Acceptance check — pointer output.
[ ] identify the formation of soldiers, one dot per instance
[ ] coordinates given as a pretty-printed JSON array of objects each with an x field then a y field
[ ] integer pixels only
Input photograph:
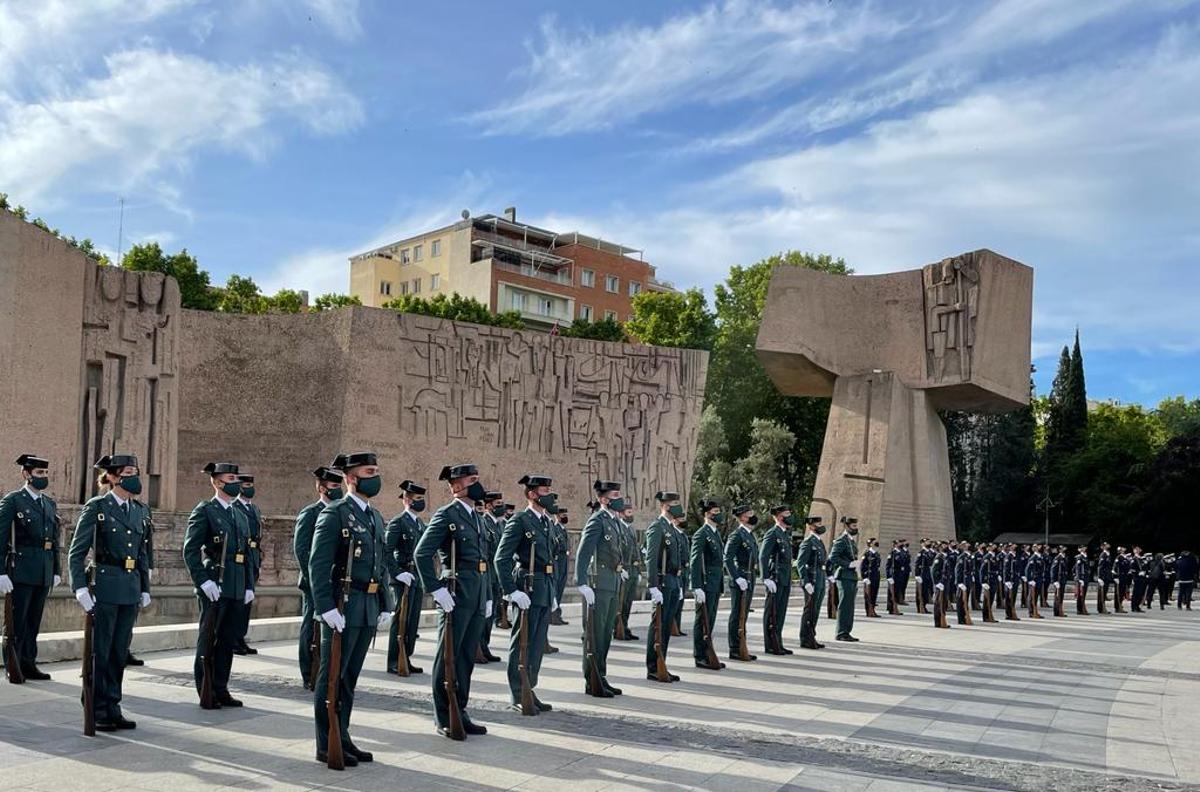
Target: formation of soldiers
[{"x": 490, "y": 564}]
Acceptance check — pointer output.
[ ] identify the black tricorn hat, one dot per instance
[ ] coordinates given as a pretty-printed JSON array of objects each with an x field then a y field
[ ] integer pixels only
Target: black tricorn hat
[
  {"x": 741, "y": 509},
  {"x": 114, "y": 462},
  {"x": 451, "y": 472},
  {"x": 531, "y": 481},
  {"x": 849, "y": 520},
  {"x": 490, "y": 496},
  {"x": 664, "y": 496},
  {"x": 411, "y": 487},
  {"x": 705, "y": 505},
  {"x": 606, "y": 486},
  {"x": 218, "y": 468},
  {"x": 325, "y": 473},
  {"x": 355, "y": 459},
  {"x": 813, "y": 519},
  {"x": 246, "y": 478},
  {"x": 780, "y": 507},
  {"x": 31, "y": 461},
  {"x": 510, "y": 507}
]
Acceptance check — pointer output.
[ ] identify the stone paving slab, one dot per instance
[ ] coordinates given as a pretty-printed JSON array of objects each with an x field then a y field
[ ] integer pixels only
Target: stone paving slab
[{"x": 1007, "y": 706}]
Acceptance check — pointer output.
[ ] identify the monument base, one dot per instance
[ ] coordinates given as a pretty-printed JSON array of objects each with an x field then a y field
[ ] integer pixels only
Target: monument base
[{"x": 885, "y": 461}]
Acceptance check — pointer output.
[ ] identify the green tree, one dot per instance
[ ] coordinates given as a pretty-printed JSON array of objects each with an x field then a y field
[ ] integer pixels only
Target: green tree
[
  {"x": 241, "y": 295},
  {"x": 1168, "y": 517},
  {"x": 673, "y": 319},
  {"x": 286, "y": 301},
  {"x": 328, "y": 302},
  {"x": 757, "y": 478},
  {"x": 604, "y": 330},
  {"x": 1179, "y": 417},
  {"x": 457, "y": 308},
  {"x": 195, "y": 290}
]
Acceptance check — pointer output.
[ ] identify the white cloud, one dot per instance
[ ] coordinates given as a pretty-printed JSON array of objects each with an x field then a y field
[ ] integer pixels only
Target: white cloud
[
  {"x": 734, "y": 50},
  {"x": 152, "y": 110}
]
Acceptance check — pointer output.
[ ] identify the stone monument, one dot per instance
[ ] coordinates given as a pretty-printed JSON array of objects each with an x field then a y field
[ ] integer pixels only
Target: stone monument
[{"x": 891, "y": 350}]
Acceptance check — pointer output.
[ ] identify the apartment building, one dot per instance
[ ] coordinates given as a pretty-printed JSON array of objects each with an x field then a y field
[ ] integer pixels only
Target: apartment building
[{"x": 549, "y": 277}]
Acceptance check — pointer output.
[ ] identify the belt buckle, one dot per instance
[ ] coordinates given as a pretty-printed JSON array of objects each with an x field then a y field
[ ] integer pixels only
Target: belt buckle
[
  {"x": 253, "y": 544},
  {"x": 130, "y": 563},
  {"x": 372, "y": 587},
  {"x": 239, "y": 558},
  {"x": 483, "y": 566},
  {"x": 549, "y": 569},
  {"x": 47, "y": 545}
]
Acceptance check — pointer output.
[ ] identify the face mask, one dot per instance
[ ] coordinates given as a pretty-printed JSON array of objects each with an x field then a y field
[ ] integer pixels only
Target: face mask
[
  {"x": 417, "y": 506},
  {"x": 39, "y": 482},
  {"x": 476, "y": 491},
  {"x": 718, "y": 519},
  {"x": 248, "y": 492},
  {"x": 617, "y": 505},
  {"x": 546, "y": 501},
  {"x": 498, "y": 511},
  {"x": 628, "y": 521},
  {"x": 789, "y": 521},
  {"x": 675, "y": 511},
  {"x": 131, "y": 484},
  {"x": 853, "y": 531},
  {"x": 232, "y": 488},
  {"x": 369, "y": 487},
  {"x": 820, "y": 529},
  {"x": 562, "y": 520},
  {"x": 335, "y": 493},
  {"x": 753, "y": 520}
]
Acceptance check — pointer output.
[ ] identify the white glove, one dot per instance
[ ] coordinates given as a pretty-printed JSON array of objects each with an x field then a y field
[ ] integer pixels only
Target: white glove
[
  {"x": 699, "y": 595},
  {"x": 520, "y": 599},
  {"x": 85, "y": 599},
  {"x": 808, "y": 588},
  {"x": 962, "y": 586},
  {"x": 1078, "y": 582},
  {"x": 854, "y": 565},
  {"x": 1057, "y": 584},
  {"x": 986, "y": 587},
  {"x": 385, "y": 620},
  {"x": 6, "y": 584},
  {"x": 554, "y": 603},
  {"x": 891, "y": 581},
  {"x": 770, "y": 584},
  {"x": 406, "y": 578},
  {"x": 57, "y": 579},
  {"x": 444, "y": 599},
  {"x": 487, "y": 609},
  {"x": 211, "y": 590},
  {"x": 656, "y": 596},
  {"x": 940, "y": 587},
  {"x": 1024, "y": 579},
  {"x": 1007, "y": 585},
  {"x": 334, "y": 619},
  {"x": 624, "y": 575},
  {"x": 249, "y": 596},
  {"x": 150, "y": 574},
  {"x": 145, "y": 599},
  {"x": 588, "y": 595},
  {"x": 742, "y": 583}
]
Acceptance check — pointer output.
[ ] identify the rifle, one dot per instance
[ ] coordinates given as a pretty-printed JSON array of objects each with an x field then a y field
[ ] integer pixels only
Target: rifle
[
  {"x": 454, "y": 715},
  {"x": 619, "y": 625},
  {"x": 400, "y": 619},
  {"x": 336, "y": 759},
  {"x": 89, "y": 646},
  {"x": 527, "y": 705},
  {"x": 593, "y": 685},
  {"x": 660, "y": 661},
  {"x": 314, "y": 653},
  {"x": 710, "y": 655},
  {"x": 743, "y": 650},
  {"x": 12, "y": 663},
  {"x": 208, "y": 628}
]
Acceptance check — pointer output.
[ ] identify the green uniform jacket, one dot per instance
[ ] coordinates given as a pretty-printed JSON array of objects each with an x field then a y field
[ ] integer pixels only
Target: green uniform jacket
[
  {"x": 306, "y": 524},
  {"x": 602, "y": 540},
  {"x": 455, "y": 523},
  {"x": 562, "y": 546},
  {"x": 810, "y": 561},
  {"x": 401, "y": 537},
  {"x": 775, "y": 556},
  {"x": 121, "y": 563},
  {"x": 36, "y": 524},
  {"x": 843, "y": 552},
  {"x": 215, "y": 532},
  {"x": 664, "y": 550},
  {"x": 705, "y": 559},
  {"x": 685, "y": 554},
  {"x": 523, "y": 531},
  {"x": 490, "y": 529},
  {"x": 344, "y": 528},
  {"x": 254, "y": 521},
  {"x": 741, "y": 553}
]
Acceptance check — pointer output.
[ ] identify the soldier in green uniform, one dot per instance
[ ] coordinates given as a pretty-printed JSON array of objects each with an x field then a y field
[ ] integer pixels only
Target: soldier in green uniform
[
  {"x": 245, "y": 502},
  {"x": 810, "y": 564},
  {"x": 351, "y": 531},
  {"x": 216, "y": 546},
  {"x": 524, "y": 563},
  {"x": 32, "y": 566},
  {"x": 329, "y": 489},
  {"x": 705, "y": 561},
  {"x": 664, "y": 565},
  {"x": 112, "y": 526},
  {"x": 631, "y": 565},
  {"x": 130, "y": 660},
  {"x": 685, "y": 553},
  {"x": 843, "y": 557},
  {"x": 492, "y": 522},
  {"x": 741, "y": 553},
  {"x": 456, "y": 526},
  {"x": 401, "y": 537},
  {"x": 775, "y": 561},
  {"x": 562, "y": 560},
  {"x": 629, "y": 550},
  {"x": 597, "y": 570}
]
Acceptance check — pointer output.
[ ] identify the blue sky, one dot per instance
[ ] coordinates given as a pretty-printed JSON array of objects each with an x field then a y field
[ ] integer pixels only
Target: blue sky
[{"x": 275, "y": 137}]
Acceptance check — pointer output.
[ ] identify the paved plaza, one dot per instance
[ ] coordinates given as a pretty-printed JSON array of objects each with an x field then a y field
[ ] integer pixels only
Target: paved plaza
[{"x": 1082, "y": 703}]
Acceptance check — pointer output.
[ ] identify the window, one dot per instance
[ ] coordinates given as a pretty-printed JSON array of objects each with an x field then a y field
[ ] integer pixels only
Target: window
[
  {"x": 517, "y": 301},
  {"x": 435, "y": 248},
  {"x": 385, "y": 288},
  {"x": 585, "y": 313},
  {"x": 587, "y": 278},
  {"x": 404, "y": 256},
  {"x": 404, "y": 287},
  {"x": 416, "y": 285},
  {"x": 610, "y": 316},
  {"x": 435, "y": 281},
  {"x": 612, "y": 283},
  {"x": 417, "y": 253},
  {"x": 634, "y": 288},
  {"x": 545, "y": 306}
]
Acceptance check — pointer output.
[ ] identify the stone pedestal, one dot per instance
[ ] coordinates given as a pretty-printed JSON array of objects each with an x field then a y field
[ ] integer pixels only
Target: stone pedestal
[{"x": 885, "y": 461}]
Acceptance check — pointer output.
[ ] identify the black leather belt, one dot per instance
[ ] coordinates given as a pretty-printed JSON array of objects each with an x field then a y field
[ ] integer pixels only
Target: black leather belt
[{"x": 369, "y": 588}]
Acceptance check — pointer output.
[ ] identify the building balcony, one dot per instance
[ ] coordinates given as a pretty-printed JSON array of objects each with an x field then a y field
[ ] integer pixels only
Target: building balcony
[{"x": 561, "y": 276}]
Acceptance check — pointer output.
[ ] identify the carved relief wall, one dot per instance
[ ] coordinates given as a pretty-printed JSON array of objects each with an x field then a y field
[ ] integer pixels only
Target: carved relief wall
[{"x": 951, "y": 313}]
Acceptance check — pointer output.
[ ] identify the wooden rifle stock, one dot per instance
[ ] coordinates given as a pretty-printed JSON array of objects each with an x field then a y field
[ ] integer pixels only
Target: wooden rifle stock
[
  {"x": 743, "y": 611},
  {"x": 314, "y": 653},
  {"x": 619, "y": 625},
  {"x": 12, "y": 663},
  {"x": 400, "y": 619},
  {"x": 335, "y": 757},
  {"x": 660, "y": 661},
  {"x": 89, "y": 669},
  {"x": 710, "y": 654},
  {"x": 454, "y": 715},
  {"x": 528, "y": 707}
]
